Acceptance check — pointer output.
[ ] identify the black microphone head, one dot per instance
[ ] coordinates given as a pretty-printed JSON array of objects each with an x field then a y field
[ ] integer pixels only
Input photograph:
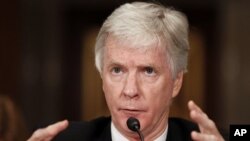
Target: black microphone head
[{"x": 133, "y": 124}]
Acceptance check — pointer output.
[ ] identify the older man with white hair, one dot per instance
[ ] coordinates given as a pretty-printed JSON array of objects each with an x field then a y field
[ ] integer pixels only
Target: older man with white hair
[{"x": 141, "y": 54}]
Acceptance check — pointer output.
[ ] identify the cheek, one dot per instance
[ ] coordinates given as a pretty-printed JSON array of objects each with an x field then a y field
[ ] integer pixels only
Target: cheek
[
  {"x": 110, "y": 99},
  {"x": 111, "y": 91},
  {"x": 159, "y": 101},
  {"x": 110, "y": 87},
  {"x": 159, "y": 94},
  {"x": 107, "y": 89}
]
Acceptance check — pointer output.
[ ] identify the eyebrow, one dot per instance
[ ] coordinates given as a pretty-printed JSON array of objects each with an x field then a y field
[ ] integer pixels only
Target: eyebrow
[
  {"x": 156, "y": 68},
  {"x": 114, "y": 63}
]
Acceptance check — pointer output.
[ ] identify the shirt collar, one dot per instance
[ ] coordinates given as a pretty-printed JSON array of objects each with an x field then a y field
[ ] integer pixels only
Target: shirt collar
[{"x": 117, "y": 136}]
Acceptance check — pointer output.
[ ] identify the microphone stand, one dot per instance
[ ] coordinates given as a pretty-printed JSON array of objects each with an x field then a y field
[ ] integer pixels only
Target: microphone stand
[
  {"x": 141, "y": 135},
  {"x": 134, "y": 125}
]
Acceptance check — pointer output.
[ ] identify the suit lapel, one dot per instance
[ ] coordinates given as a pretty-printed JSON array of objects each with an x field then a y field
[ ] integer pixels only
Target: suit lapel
[
  {"x": 106, "y": 134},
  {"x": 180, "y": 130}
]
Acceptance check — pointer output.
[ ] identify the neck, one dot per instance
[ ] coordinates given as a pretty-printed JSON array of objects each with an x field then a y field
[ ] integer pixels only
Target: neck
[
  {"x": 151, "y": 133},
  {"x": 157, "y": 129}
]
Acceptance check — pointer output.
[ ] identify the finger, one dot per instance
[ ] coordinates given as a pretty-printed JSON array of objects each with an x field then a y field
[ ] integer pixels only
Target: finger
[
  {"x": 199, "y": 116},
  {"x": 48, "y": 132},
  {"x": 193, "y": 106},
  {"x": 203, "y": 137},
  {"x": 54, "y": 129},
  {"x": 205, "y": 124},
  {"x": 202, "y": 120},
  {"x": 207, "y": 128}
]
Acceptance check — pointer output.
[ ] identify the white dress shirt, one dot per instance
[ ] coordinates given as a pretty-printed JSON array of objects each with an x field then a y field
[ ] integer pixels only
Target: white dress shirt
[{"x": 117, "y": 136}]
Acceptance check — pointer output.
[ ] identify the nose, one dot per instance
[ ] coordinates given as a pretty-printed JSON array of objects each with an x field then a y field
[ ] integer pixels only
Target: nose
[{"x": 130, "y": 87}]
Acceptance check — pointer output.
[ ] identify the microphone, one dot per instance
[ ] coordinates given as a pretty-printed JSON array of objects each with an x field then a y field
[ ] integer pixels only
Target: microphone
[{"x": 134, "y": 125}]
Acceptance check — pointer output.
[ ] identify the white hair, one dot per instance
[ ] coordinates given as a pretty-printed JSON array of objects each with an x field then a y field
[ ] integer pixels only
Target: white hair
[{"x": 144, "y": 24}]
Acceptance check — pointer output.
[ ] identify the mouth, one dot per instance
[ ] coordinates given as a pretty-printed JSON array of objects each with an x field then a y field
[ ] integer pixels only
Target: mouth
[{"x": 131, "y": 112}]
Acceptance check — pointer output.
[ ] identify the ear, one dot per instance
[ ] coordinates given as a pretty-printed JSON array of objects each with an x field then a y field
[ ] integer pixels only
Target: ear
[
  {"x": 101, "y": 73},
  {"x": 177, "y": 84}
]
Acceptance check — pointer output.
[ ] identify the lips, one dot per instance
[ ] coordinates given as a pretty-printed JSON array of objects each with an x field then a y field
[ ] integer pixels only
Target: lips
[{"x": 131, "y": 112}]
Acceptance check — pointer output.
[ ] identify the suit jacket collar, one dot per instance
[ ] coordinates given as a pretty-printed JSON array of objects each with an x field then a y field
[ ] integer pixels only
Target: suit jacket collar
[{"x": 178, "y": 130}]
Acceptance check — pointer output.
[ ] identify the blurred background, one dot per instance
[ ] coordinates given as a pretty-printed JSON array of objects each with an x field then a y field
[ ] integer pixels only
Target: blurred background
[{"x": 47, "y": 61}]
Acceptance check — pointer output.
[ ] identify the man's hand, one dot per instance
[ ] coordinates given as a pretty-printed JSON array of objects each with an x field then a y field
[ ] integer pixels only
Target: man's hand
[
  {"x": 208, "y": 129},
  {"x": 48, "y": 133}
]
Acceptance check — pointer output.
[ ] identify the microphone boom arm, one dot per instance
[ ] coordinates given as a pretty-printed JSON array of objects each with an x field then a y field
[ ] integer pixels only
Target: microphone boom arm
[{"x": 134, "y": 125}]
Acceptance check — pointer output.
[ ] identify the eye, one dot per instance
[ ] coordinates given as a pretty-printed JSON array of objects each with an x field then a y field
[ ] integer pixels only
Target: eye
[
  {"x": 116, "y": 70},
  {"x": 149, "y": 71}
]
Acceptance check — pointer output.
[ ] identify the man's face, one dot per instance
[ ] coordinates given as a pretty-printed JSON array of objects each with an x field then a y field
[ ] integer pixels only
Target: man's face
[{"x": 138, "y": 83}]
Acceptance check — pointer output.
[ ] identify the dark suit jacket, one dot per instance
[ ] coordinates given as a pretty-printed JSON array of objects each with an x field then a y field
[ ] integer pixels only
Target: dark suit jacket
[{"x": 100, "y": 130}]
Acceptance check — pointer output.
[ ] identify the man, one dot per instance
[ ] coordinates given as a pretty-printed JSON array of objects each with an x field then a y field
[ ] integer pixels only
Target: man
[{"x": 141, "y": 53}]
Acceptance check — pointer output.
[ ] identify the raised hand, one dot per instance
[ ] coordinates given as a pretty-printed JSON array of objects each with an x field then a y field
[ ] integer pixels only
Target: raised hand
[
  {"x": 48, "y": 133},
  {"x": 208, "y": 129}
]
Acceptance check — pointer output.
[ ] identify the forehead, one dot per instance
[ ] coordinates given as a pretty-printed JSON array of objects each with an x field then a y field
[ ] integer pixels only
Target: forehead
[{"x": 125, "y": 52}]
